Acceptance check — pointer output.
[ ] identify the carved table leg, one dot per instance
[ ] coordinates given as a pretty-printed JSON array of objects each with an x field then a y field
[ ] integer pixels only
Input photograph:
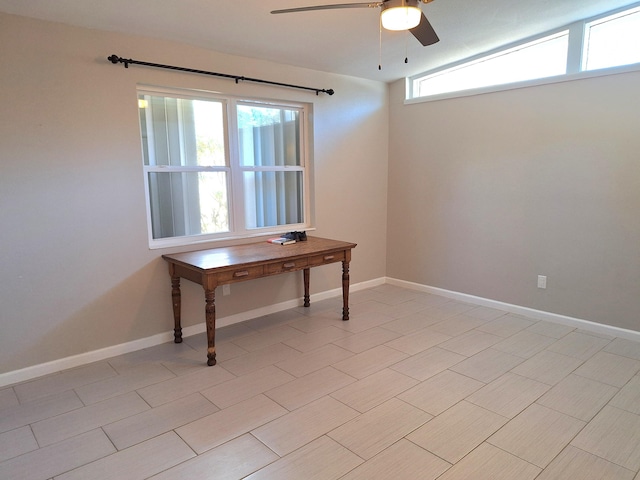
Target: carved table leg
[
  {"x": 210, "y": 315},
  {"x": 345, "y": 290},
  {"x": 306, "y": 273},
  {"x": 175, "y": 297}
]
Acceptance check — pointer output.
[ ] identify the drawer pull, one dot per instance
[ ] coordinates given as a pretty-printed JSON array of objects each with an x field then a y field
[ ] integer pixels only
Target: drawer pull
[
  {"x": 289, "y": 265},
  {"x": 243, "y": 273},
  {"x": 328, "y": 257}
]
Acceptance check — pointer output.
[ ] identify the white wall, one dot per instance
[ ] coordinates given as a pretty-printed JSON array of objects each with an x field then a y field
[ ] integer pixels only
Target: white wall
[
  {"x": 484, "y": 193},
  {"x": 77, "y": 273},
  {"x": 488, "y": 192}
]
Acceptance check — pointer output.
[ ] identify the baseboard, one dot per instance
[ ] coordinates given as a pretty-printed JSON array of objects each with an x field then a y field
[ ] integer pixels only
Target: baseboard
[
  {"x": 519, "y": 310},
  {"x": 279, "y": 307},
  {"x": 29, "y": 373},
  {"x": 54, "y": 366}
]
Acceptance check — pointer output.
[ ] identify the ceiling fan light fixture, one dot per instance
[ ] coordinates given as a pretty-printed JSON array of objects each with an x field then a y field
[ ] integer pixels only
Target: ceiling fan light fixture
[{"x": 400, "y": 15}]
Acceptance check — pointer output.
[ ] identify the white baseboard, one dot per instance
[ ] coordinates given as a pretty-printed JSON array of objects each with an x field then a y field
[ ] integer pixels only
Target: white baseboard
[
  {"x": 279, "y": 307},
  {"x": 54, "y": 366},
  {"x": 524, "y": 311}
]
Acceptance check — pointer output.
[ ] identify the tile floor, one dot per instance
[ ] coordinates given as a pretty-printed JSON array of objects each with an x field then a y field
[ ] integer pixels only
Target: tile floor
[{"x": 414, "y": 386}]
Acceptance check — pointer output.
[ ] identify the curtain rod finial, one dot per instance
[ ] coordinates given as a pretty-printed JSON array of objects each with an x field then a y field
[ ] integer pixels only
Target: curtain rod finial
[{"x": 116, "y": 59}]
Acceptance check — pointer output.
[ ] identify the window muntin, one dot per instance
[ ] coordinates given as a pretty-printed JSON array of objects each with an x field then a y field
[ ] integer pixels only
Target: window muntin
[
  {"x": 612, "y": 41},
  {"x": 541, "y": 58},
  {"x": 205, "y": 180},
  {"x": 603, "y": 42}
]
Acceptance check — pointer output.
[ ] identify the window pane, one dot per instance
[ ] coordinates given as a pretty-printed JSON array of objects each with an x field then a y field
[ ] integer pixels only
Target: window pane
[
  {"x": 188, "y": 203},
  {"x": 181, "y": 132},
  {"x": 613, "y": 41},
  {"x": 273, "y": 198},
  {"x": 542, "y": 58},
  {"x": 268, "y": 136}
]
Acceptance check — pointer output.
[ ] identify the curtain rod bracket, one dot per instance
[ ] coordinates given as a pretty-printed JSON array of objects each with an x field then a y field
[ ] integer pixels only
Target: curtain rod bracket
[{"x": 115, "y": 59}]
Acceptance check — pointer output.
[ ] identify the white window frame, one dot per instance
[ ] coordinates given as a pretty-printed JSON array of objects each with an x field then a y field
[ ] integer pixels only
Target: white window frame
[
  {"x": 235, "y": 188},
  {"x": 575, "y": 63}
]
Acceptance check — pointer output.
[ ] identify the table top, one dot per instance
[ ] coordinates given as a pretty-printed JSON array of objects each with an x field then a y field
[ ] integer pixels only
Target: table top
[{"x": 255, "y": 253}]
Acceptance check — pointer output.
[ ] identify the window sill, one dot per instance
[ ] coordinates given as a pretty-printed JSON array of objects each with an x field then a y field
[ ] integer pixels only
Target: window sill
[{"x": 196, "y": 241}]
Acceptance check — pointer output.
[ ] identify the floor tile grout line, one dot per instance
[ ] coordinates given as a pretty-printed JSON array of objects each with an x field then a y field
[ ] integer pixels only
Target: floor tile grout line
[
  {"x": 582, "y": 360},
  {"x": 512, "y": 454},
  {"x": 596, "y": 455}
]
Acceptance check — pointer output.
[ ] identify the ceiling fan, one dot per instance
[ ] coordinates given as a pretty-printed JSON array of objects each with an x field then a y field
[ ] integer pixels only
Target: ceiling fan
[{"x": 394, "y": 15}]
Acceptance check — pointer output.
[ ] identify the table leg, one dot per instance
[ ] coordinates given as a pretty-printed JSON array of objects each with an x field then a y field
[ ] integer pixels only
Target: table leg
[
  {"x": 175, "y": 297},
  {"x": 210, "y": 315},
  {"x": 345, "y": 290},
  {"x": 306, "y": 274}
]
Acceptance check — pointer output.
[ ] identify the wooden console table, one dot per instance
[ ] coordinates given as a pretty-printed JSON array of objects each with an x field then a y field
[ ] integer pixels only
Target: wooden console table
[{"x": 221, "y": 266}]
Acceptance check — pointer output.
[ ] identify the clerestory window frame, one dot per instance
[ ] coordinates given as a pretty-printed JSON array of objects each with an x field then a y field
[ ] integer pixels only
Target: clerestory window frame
[{"x": 576, "y": 63}]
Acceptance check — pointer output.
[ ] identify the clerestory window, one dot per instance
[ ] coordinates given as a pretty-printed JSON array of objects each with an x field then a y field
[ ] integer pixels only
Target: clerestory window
[
  {"x": 613, "y": 40},
  {"x": 609, "y": 40},
  {"x": 544, "y": 57}
]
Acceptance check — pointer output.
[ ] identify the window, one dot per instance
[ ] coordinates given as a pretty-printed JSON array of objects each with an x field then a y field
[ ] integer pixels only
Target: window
[
  {"x": 544, "y": 57},
  {"x": 220, "y": 167},
  {"x": 613, "y": 40},
  {"x": 607, "y": 41}
]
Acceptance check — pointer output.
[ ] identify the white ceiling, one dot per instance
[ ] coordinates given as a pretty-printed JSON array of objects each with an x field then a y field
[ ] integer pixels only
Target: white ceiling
[{"x": 341, "y": 41}]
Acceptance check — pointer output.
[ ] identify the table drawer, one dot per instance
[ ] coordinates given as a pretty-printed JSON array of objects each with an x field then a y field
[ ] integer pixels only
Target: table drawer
[
  {"x": 326, "y": 258},
  {"x": 287, "y": 266},
  {"x": 241, "y": 274}
]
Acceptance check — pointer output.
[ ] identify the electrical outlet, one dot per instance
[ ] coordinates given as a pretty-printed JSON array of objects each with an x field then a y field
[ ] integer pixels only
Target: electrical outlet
[
  {"x": 542, "y": 281},
  {"x": 226, "y": 289}
]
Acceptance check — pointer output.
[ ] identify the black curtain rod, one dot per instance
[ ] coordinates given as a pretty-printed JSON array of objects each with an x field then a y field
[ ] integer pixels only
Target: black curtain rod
[{"x": 128, "y": 61}]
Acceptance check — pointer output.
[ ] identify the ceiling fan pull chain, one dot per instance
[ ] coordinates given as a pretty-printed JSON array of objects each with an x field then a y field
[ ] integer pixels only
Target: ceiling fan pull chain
[
  {"x": 406, "y": 48},
  {"x": 380, "y": 44}
]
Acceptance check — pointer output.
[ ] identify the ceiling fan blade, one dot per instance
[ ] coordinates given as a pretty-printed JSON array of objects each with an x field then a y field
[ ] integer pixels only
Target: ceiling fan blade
[
  {"x": 330, "y": 7},
  {"x": 424, "y": 32}
]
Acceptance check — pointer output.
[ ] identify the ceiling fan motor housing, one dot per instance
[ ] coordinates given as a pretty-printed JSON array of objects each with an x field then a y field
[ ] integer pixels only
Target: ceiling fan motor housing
[
  {"x": 419, "y": 26},
  {"x": 400, "y": 14}
]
